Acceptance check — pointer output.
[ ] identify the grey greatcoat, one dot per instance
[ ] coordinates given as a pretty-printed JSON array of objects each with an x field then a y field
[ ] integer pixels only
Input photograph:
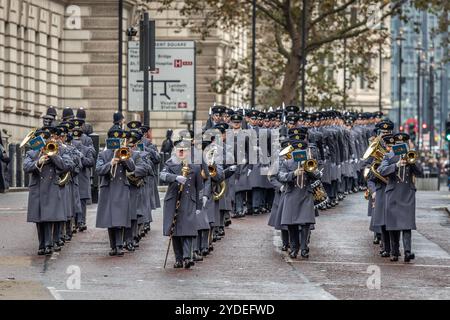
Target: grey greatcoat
[
  {"x": 88, "y": 161},
  {"x": 45, "y": 198},
  {"x": 298, "y": 203},
  {"x": 145, "y": 207},
  {"x": 275, "y": 213},
  {"x": 114, "y": 195},
  {"x": 186, "y": 224},
  {"x": 400, "y": 195},
  {"x": 135, "y": 202},
  {"x": 73, "y": 184},
  {"x": 153, "y": 178},
  {"x": 225, "y": 203},
  {"x": 212, "y": 208}
]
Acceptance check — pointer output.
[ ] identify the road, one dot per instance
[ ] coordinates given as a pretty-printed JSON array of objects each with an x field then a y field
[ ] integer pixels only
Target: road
[{"x": 246, "y": 264}]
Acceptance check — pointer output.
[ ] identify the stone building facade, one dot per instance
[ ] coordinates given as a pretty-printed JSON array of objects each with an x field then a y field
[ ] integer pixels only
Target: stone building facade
[{"x": 65, "y": 53}]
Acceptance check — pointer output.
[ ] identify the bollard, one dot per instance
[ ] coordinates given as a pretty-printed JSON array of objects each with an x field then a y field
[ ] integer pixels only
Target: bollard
[
  {"x": 11, "y": 166},
  {"x": 19, "y": 164},
  {"x": 94, "y": 177}
]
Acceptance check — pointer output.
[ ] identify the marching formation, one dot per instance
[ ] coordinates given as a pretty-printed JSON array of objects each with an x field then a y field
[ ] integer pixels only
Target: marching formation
[
  {"x": 289, "y": 163},
  {"x": 59, "y": 164},
  {"x": 391, "y": 172}
]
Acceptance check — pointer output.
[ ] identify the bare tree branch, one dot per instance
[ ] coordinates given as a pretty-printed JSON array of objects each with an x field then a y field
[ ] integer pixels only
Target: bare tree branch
[{"x": 281, "y": 49}]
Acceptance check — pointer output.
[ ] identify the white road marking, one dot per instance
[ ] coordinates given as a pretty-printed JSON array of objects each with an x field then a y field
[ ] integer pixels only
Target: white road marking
[
  {"x": 400, "y": 263},
  {"x": 55, "y": 293}
]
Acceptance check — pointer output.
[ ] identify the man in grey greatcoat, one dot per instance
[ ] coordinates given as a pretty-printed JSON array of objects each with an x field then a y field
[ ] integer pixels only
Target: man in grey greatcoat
[
  {"x": 400, "y": 198},
  {"x": 114, "y": 195},
  {"x": 84, "y": 177},
  {"x": 298, "y": 203},
  {"x": 45, "y": 198},
  {"x": 183, "y": 229}
]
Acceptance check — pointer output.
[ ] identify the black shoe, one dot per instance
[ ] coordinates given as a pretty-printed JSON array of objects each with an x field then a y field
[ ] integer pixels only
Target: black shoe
[
  {"x": 197, "y": 257},
  {"x": 394, "y": 258},
  {"x": 221, "y": 232},
  {"x": 41, "y": 252},
  {"x": 305, "y": 254},
  {"x": 187, "y": 263},
  {"x": 119, "y": 252},
  {"x": 67, "y": 238},
  {"x": 82, "y": 227},
  {"x": 293, "y": 254},
  {"x": 178, "y": 265},
  {"x": 409, "y": 256},
  {"x": 48, "y": 251},
  {"x": 284, "y": 247},
  {"x": 60, "y": 243},
  {"x": 113, "y": 252},
  {"x": 135, "y": 244},
  {"x": 56, "y": 248},
  {"x": 211, "y": 248},
  {"x": 227, "y": 223},
  {"x": 205, "y": 252},
  {"x": 129, "y": 247},
  {"x": 385, "y": 254},
  {"x": 142, "y": 234}
]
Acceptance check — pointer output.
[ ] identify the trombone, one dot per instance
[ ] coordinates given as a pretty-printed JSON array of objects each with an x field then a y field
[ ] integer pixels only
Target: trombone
[{"x": 411, "y": 158}]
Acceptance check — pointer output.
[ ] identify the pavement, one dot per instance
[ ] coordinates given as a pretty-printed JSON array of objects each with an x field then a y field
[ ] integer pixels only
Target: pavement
[{"x": 246, "y": 264}]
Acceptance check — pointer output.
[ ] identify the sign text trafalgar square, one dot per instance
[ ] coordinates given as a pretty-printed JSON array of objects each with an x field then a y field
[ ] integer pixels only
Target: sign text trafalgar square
[{"x": 173, "y": 81}]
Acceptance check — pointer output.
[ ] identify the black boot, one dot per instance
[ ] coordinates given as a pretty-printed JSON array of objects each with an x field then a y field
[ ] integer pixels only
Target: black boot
[
  {"x": 409, "y": 256},
  {"x": 197, "y": 257},
  {"x": 48, "y": 251},
  {"x": 113, "y": 252},
  {"x": 293, "y": 254},
  {"x": 178, "y": 264},
  {"x": 305, "y": 254}
]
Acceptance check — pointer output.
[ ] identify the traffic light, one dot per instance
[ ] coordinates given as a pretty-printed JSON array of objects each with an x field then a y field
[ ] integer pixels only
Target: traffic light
[{"x": 447, "y": 130}]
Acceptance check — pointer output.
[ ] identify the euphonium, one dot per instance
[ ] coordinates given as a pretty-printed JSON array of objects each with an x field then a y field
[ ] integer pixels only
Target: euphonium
[
  {"x": 377, "y": 152},
  {"x": 64, "y": 179},
  {"x": 28, "y": 137}
]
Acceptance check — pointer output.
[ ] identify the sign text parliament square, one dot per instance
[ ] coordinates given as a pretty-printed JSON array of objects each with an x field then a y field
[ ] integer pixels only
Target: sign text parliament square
[{"x": 173, "y": 81}]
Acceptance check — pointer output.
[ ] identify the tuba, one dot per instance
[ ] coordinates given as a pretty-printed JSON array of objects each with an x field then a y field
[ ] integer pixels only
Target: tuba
[{"x": 377, "y": 152}]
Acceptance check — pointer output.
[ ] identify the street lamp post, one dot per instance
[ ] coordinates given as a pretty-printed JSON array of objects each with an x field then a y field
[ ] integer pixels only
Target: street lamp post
[
  {"x": 304, "y": 37},
  {"x": 399, "y": 40},
  {"x": 253, "y": 93},
  {"x": 431, "y": 98},
  {"x": 380, "y": 74},
  {"x": 120, "y": 55},
  {"x": 419, "y": 60}
]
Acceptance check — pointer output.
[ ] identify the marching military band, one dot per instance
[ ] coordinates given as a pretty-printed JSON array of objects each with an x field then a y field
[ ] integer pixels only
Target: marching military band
[{"x": 318, "y": 158}]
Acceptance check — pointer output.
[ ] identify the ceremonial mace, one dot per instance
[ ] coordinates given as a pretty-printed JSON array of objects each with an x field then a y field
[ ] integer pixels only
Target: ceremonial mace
[{"x": 184, "y": 172}]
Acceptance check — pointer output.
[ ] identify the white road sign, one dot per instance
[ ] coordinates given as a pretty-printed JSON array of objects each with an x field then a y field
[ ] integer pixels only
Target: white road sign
[{"x": 173, "y": 82}]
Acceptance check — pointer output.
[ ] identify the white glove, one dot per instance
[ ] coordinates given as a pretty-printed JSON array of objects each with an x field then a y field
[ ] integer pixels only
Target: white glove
[
  {"x": 204, "y": 199},
  {"x": 181, "y": 179},
  {"x": 42, "y": 160},
  {"x": 298, "y": 172},
  {"x": 233, "y": 168},
  {"x": 248, "y": 172},
  {"x": 282, "y": 188},
  {"x": 197, "y": 212}
]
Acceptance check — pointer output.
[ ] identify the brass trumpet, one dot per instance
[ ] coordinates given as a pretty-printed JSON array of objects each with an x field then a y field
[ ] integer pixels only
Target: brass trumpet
[
  {"x": 123, "y": 153},
  {"x": 51, "y": 148}
]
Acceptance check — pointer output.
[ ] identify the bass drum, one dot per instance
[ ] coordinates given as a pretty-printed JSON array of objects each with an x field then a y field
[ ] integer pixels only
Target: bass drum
[{"x": 319, "y": 193}]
